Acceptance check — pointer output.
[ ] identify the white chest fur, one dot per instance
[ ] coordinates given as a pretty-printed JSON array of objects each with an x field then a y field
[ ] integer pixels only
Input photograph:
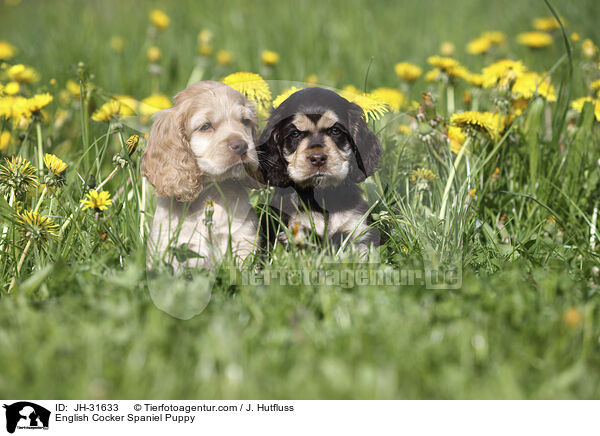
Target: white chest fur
[{"x": 219, "y": 220}]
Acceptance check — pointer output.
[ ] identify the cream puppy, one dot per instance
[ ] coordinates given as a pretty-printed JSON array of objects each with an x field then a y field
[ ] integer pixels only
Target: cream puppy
[{"x": 198, "y": 155}]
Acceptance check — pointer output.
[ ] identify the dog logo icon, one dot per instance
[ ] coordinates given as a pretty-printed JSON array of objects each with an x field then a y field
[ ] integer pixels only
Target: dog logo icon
[{"x": 26, "y": 415}]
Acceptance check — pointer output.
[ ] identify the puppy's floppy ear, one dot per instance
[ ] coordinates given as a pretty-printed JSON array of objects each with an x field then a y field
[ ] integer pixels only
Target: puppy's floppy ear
[
  {"x": 367, "y": 148},
  {"x": 168, "y": 162},
  {"x": 273, "y": 166}
]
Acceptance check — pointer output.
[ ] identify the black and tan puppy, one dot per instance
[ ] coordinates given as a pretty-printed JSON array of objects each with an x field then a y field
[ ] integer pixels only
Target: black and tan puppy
[{"x": 315, "y": 149}]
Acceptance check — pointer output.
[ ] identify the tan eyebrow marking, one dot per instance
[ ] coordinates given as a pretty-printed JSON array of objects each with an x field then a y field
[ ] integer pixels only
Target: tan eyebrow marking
[
  {"x": 303, "y": 123},
  {"x": 327, "y": 120}
]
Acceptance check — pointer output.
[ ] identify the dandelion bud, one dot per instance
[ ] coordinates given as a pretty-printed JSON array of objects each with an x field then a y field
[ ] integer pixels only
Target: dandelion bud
[
  {"x": 205, "y": 49},
  {"x": 270, "y": 58},
  {"x": 119, "y": 161},
  {"x": 132, "y": 143},
  {"x": 224, "y": 57},
  {"x": 205, "y": 36},
  {"x": 81, "y": 71},
  {"x": 209, "y": 210},
  {"x": 447, "y": 49},
  {"x": 589, "y": 49},
  {"x": 155, "y": 69},
  {"x": 154, "y": 54}
]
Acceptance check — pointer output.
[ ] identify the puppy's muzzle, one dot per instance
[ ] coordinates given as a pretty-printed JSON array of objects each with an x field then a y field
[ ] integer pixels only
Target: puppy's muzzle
[
  {"x": 239, "y": 147},
  {"x": 317, "y": 159}
]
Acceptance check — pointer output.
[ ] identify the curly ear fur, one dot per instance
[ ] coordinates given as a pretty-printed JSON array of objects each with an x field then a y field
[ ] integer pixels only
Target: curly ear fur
[
  {"x": 168, "y": 162},
  {"x": 273, "y": 166},
  {"x": 367, "y": 148}
]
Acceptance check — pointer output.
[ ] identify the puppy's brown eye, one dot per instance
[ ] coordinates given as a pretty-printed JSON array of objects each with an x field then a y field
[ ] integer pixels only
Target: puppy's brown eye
[
  {"x": 334, "y": 131},
  {"x": 206, "y": 126},
  {"x": 246, "y": 121},
  {"x": 294, "y": 133}
]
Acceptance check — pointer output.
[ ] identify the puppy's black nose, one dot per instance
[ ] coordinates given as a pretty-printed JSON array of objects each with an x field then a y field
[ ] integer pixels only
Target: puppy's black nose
[
  {"x": 239, "y": 147},
  {"x": 317, "y": 159}
]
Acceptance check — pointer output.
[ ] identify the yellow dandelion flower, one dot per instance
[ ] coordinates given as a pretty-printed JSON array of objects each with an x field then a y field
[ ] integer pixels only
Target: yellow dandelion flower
[
  {"x": 251, "y": 85},
  {"x": 488, "y": 123},
  {"x": 39, "y": 101},
  {"x": 546, "y": 24},
  {"x": 128, "y": 104},
  {"x": 23, "y": 74},
  {"x": 269, "y": 58},
  {"x": 519, "y": 105},
  {"x": 54, "y": 164},
  {"x": 17, "y": 108},
  {"x": 403, "y": 129},
  {"x": 528, "y": 84},
  {"x": 154, "y": 103},
  {"x": 502, "y": 72},
  {"x": 73, "y": 88},
  {"x": 432, "y": 75},
  {"x": 350, "y": 89},
  {"x": 535, "y": 39},
  {"x": 371, "y": 106},
  {"x": 154, "y": 54},
  {"x": 7, "y": 51},
  {"x": 12, "y": 88},
  {"x": 447, "y": 48},
  {"x": 572, "y": 317},
  {"x": 107, "y": 111},
  {"x": 205, "y": 36},
  {"x": 595, "y": 85},
  {"x": 390, "y": 96},
  {"x": 422, "y": 174},
  {"x": 407, "y": 71},
  {"x": 496, "y": 174},
  {"x": 159, "y": 19},
  {"x": 443, "y": 62},
  {"x": 578, "y": 103},
  {"x": 456, "y": 137},
  {"x": 448, "y": 66},
  {"x": 575, "y": 37},
  {"x": 312, "y": 79},
  {"x": 97, "y": 200},
  {"x": 479, "y": 46},
  {"x": 473, "y": 78},
  {"x": 284, "y": 96},
  {"x": 495, "y": 37},
  {"x": 205, "y": 49},
  {"x": 473, "y": 192},
  {"x": 467, "y": 97},
  {"x": 117, "y": 43},
  {"x": 588, "y": 48},
  {"x": 35, "y": 227},
  {"x": 224, "y": 57},
  {"x": 5, "y": 139}
]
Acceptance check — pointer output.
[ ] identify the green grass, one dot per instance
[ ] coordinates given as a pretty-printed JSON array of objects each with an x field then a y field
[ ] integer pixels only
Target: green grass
[{"x": 525, "y": 322}]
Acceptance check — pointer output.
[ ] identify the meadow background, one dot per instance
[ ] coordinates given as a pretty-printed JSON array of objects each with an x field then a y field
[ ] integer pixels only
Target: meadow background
[{"x": 79, "y": 322}]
